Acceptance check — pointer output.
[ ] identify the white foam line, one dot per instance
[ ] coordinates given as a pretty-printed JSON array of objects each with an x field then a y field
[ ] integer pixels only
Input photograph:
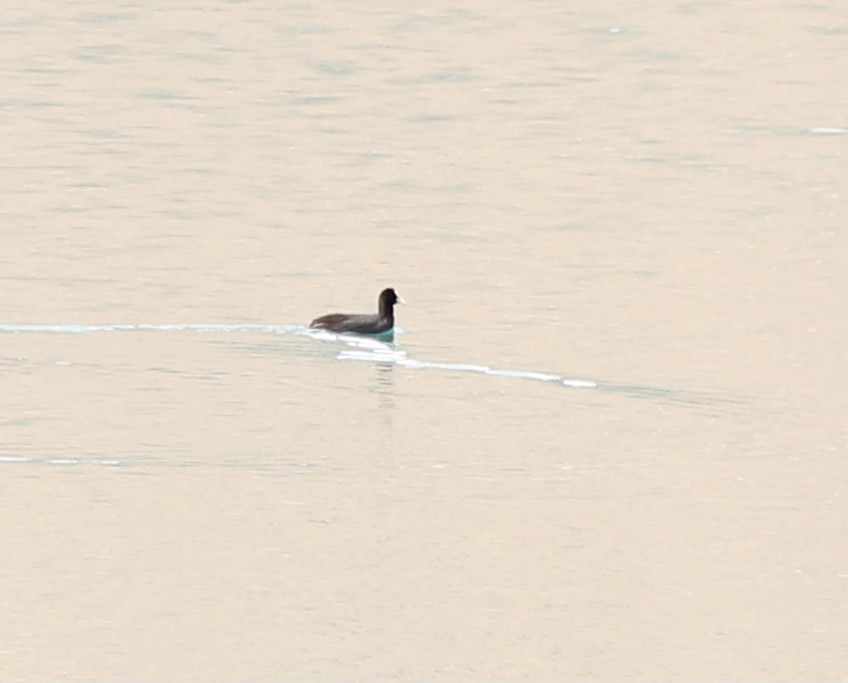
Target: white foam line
[
  {"x": 580, "y": 383},
  {"x": 364, "y": 348},
  {"x": 541, "y": 376},
  {"x": 57, "y": 461},
  {"x": 398, "y": 358},
  {"x": 827, "y": 130},
  {"x": 167, "y": 327}
]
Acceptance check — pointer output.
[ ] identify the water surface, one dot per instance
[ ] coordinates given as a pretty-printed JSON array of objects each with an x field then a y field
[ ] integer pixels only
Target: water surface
[{"x": 609, "y": 443}]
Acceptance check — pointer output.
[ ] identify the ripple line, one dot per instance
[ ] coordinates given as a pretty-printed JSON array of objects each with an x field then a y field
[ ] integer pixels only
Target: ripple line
[{"x": 73, "y": 328}]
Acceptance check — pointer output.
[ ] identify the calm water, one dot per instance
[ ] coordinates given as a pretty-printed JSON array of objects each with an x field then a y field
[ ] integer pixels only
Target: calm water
[{"x": 610, "y": 442}]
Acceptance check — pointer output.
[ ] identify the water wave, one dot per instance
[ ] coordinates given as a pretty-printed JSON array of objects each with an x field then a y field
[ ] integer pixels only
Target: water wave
[
  {"x": 74, "y": 328},
  {"x": 372, "y": 350},
  {"x": 398, "y": 357},
  {"x": 23, "y": 460},
  {"x": 358, "y": 348}
]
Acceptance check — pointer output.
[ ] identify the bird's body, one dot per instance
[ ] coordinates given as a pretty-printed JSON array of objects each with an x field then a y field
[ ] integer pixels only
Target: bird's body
[{"x": 379, "y": 323}]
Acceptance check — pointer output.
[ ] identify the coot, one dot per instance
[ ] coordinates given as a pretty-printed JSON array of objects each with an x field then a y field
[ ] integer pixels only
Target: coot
[{"x": 363, "y": 323}]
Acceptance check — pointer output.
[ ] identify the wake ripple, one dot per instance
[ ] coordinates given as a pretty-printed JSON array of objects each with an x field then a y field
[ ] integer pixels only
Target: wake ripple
[
  {"x": 72, "y": 328},
  {"x": 359, "y": 348},
  {"x": 373, "y": 351}
]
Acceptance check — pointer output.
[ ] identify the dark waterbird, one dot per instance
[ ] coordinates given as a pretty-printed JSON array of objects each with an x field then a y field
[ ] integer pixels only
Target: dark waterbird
[{"x": 380, "y": 323}]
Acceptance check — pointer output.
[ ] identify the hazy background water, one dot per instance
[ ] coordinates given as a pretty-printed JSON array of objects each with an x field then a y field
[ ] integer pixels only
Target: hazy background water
[{"x": 647, "y": 198}]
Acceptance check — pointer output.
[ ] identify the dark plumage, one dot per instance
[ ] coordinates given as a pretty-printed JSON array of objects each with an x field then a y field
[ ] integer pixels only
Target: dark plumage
[{"x": 363, "y": 323}]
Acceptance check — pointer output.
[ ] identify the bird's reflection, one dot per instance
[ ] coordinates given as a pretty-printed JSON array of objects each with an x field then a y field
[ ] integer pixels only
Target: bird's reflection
[
  {"x": 384, "y": 387},
  {"x": 385, "y": 355}
]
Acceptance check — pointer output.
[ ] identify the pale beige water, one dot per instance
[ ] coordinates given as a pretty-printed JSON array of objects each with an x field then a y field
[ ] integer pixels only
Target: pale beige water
[{"x": 649, "y": 198}]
